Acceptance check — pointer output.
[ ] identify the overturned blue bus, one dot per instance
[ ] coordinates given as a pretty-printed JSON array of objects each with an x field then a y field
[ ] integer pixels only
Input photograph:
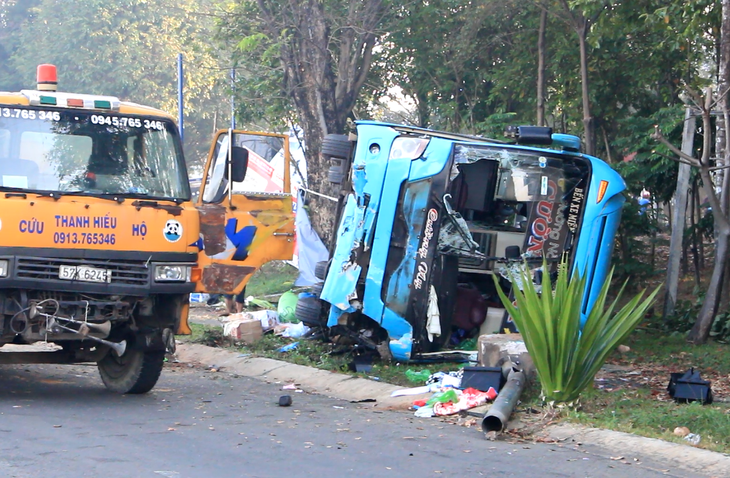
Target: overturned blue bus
[{"x": 428, "y": 217}]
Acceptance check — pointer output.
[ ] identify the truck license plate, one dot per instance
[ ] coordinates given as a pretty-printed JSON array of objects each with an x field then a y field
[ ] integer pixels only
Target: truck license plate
[{"x": 84, "y": 274}]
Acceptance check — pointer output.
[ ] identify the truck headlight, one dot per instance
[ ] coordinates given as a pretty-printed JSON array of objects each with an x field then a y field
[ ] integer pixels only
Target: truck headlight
[
  {"x": 4, "y": 267},
  {"x": 172, "y": 273}
]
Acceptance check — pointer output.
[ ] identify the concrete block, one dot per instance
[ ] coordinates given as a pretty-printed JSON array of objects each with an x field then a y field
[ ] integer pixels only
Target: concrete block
[{"x": 495, "y": 349}]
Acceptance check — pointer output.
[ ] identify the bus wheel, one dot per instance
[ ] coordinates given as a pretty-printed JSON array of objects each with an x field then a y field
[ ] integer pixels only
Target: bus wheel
[
  {"x": 334, "y": 175},
  {"x": 136, "y": 371},
  {"x": 336, "y": 146},
  {"x": 309, "y": 311},
  {"x": 320, "y": 270}
]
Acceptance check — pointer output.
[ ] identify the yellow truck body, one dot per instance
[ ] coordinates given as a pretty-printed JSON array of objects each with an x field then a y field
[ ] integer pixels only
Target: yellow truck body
[{"x": 101, "y": 241}]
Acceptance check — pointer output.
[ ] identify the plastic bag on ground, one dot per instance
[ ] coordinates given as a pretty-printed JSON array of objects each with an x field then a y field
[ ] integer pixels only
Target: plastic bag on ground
[
  {"x": 295, "y": 330},
  {"x": 414, "y": 376},
  {"x": 286, "y": 306},
  {"x": 424, "y": 412},
  {"x": 468, "y": 398},
  {"x": 444, "y": 397}
]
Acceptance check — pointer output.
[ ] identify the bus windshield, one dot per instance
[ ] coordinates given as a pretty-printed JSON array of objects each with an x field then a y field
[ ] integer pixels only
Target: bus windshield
[
  {"x": 537, "y": 194},
  {"x": 90, "y": 152}
]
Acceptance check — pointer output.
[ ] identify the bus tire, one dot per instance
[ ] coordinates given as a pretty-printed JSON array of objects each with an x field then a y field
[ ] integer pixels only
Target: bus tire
[
  {"x": 334, "y": 175},
  {"x": 336, "y": 146},
  {"x": 320, "y": 270},
  {"x": 309, "y": 311},
  {"x": 135, "y": 372}
]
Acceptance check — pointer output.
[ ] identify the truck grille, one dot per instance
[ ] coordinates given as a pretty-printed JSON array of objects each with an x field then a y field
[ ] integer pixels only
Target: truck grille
[{"x": 131, "y": 272}]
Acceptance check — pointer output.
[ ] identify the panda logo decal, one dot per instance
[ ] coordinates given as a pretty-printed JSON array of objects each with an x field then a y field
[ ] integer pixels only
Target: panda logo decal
[{"x": 173, "y": 230}]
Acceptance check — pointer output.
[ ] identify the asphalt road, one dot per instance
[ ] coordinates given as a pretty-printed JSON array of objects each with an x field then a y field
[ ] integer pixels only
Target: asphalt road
[{"x": 59, "y": 421}]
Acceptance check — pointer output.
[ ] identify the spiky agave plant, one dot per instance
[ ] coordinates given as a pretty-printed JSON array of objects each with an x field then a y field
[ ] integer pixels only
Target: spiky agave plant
[{"x": 567, "y": 358}]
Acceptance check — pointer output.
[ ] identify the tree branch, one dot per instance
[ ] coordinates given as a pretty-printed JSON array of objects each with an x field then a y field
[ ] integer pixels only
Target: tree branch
[{"x": 658, "y": 136}]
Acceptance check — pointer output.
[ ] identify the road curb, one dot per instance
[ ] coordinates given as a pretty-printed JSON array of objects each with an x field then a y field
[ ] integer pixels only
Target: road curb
[
  {"x": 354, "y": 389},
  {"x": 309, "y": 379},
  {"x": 673, "y": 455}
]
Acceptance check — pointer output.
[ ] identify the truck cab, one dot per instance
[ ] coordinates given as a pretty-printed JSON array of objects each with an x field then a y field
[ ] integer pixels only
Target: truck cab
[{"x": 100, "y": 242}]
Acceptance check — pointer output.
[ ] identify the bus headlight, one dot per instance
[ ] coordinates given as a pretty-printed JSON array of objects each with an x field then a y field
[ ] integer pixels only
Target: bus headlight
[
  {"x": 4, "y": 267},
  {"x": 408, "y": 147},
  {"x": 172, "y": 273}
]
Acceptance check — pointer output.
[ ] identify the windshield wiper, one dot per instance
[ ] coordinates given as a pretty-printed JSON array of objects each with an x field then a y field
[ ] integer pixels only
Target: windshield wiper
[
  {"x": 23, "y": 193},
  {"x": 175, "y": 210},
  {"x": 16, "y": 195},
  {"x": 109, "y": 197}
]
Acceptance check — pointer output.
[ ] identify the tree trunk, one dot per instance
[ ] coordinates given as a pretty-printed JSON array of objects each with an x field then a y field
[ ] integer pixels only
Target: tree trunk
[
  {"x": 721, "y": 142},
  {"x": 541, "y": 69},
  {"x": 324, "y": 71},
  {"x": 588, "y": 124},
  {"x": 309, "y": 80},
  {"x": 679, "y": 217},
  {"x": 695, "y": 242},
  {"x": 701, "y": 329}
]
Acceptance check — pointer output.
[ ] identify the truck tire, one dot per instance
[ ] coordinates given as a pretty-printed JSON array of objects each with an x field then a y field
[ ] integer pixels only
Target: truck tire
[
  {"x": 136, "y": 371},
  {"x": 320, "y": 270},
  {"x": 336, "y": 146},
  {"x": 309, "y": 310}
]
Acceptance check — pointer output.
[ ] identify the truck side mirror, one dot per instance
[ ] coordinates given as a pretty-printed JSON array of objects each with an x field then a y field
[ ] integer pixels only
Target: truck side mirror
[{"x": 239, "y": 163}]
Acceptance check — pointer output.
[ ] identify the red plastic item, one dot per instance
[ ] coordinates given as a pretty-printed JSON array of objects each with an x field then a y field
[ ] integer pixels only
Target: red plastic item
[{"x": 47, "y": 77}]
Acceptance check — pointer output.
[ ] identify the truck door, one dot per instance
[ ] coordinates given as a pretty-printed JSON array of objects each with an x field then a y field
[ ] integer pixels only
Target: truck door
[{"x": 245, "y": 209}]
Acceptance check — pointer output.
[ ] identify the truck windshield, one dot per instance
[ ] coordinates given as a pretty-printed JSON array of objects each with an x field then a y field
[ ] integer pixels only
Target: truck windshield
[{"x": 90, "y": 152}]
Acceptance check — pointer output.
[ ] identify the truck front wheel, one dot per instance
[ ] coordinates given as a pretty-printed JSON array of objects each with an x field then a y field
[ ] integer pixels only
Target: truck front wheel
[{"x": 136, "y": 371}]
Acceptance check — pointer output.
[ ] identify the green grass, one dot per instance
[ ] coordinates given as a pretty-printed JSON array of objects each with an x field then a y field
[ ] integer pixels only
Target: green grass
[
  {"x": 673, "y": 350},
  {"x": 272, "y": 278},
  {"x": 637, "y": 412},
  {"x": 312, "y": 353},
  {"x": 637, "y": 409}
]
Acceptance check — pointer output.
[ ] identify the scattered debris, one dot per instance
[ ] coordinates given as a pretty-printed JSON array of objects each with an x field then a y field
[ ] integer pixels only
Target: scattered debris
[
  {"x": 681, "y": 431},
  {"x": 693, "y": 439},
  {"x": 418, "y": 376},
  {"x": 289, "y": 347},
  {"x": 285, "y": 401},
  {"x": 689, "y": 387}
]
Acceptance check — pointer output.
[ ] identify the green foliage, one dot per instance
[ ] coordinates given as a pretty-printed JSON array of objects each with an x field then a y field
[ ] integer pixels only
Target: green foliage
[
  {"x": 272, "y": 278},
  {"x": 649, "y": 168},
  {"x": 125, "y": 49},
  {"x": 684, "y": 317},
  {"x": 567, "y": 356}
]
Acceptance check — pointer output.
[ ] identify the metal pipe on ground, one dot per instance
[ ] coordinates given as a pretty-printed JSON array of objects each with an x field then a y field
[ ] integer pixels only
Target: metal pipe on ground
[{"x": 496, "y": 418}]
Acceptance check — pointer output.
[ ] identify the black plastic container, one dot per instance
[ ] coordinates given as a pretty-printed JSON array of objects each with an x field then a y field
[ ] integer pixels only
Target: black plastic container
[
  {"x": 689, "y": 387},
  {"x": 481, "y": 378}
]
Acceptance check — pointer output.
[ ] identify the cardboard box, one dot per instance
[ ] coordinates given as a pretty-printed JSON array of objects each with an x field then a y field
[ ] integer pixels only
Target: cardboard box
[
  {"x": 247, "y": 330},
  {"x": 268, "y": 318}
]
